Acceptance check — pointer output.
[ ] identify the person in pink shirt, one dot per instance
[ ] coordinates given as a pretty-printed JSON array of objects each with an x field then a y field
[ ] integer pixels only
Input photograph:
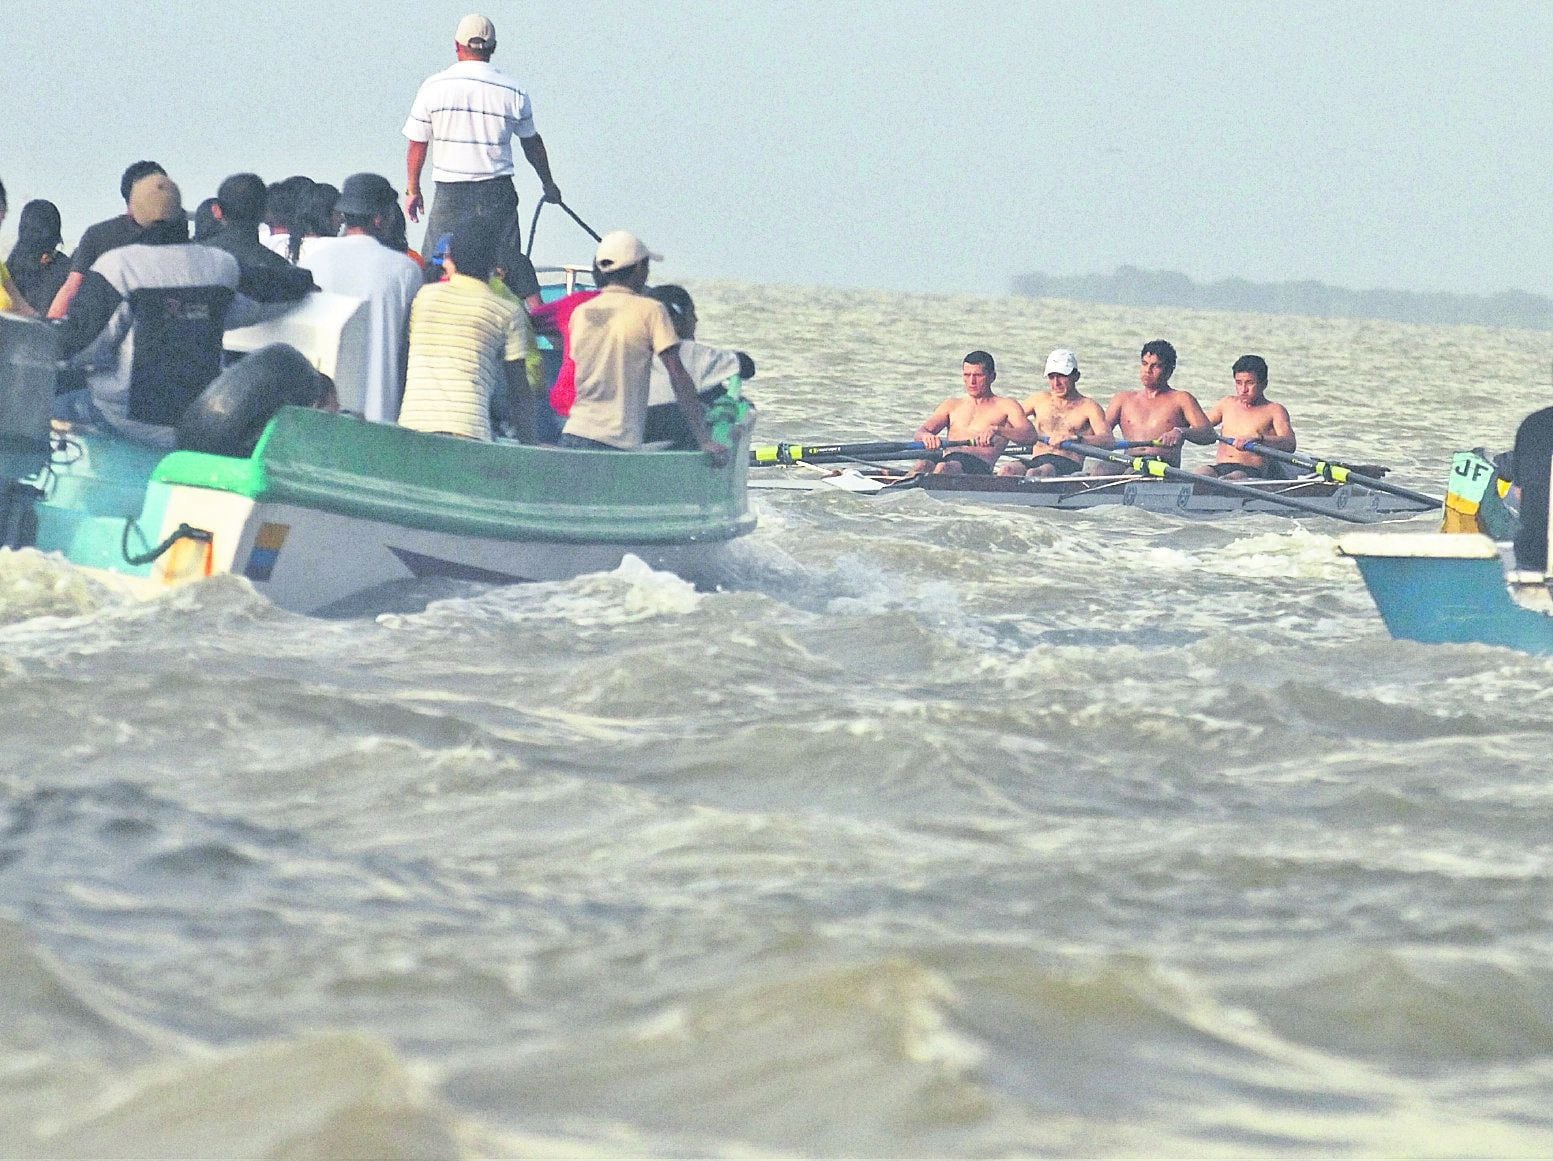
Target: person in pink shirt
[{"x": 555, "y": 319}]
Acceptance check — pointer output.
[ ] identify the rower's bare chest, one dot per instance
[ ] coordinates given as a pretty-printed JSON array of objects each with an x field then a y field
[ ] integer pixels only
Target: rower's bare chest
[{"x": 979, "y": 413}]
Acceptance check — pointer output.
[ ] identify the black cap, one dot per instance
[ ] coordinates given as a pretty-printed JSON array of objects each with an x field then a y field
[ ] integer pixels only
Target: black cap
[{"x": 366, "y": 193}]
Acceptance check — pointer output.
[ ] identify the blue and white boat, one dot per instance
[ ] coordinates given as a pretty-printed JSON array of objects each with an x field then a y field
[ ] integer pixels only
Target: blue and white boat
[{"x": 1453, "y": 588}]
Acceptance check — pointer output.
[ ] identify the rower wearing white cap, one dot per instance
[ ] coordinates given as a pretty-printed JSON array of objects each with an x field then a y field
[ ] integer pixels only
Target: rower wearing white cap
[
  {"x": 1061, "y": 413},
  {"x": 614, "y": 339},
  {"x": 472, "y": 111}
]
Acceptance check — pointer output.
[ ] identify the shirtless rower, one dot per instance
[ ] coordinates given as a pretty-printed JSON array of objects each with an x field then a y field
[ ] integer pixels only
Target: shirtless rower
[
  {"x": 1246, "y": 416},
  {"x": 1159, "y": 412},
  {"x": 1059, "y": 414},
  {"x": 989, "y": 421}
]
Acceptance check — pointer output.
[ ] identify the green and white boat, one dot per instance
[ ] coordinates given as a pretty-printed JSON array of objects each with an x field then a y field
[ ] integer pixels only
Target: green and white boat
[{"x": 329, "y": 507}]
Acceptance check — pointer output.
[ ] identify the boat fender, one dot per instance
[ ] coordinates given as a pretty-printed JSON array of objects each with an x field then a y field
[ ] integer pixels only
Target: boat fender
[{"x": 227, "y": 418}]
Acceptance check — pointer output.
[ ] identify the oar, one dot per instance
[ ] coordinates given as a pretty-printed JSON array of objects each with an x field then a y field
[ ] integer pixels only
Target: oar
[
  {"x": 767, "y": 455},
  {"x": 1337, "y": 473},
  {"x": 1152, "y": 466},
  {"x": 791, "y": 453}
]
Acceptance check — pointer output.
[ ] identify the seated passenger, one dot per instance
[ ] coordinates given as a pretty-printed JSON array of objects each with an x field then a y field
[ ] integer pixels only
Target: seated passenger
[
  {"x": 615, "y": 338},
  {"x": 38, "y": 266},
  {"x": 11, "y": 298},
  {"x": 1058, "y": 415},
  {"x": 360, "y": 265},
  {"x": 708, "y": 367},
  {"x": 988, "y": 422},
  {"x": 467, "y": 343},
  {"x": 146, "y": 325},
  {"x": 1248, "y": 416},
  {"x": 207, "y": 222},
  {"x": 554, "y": 319},
  {"x": 265, "y": 275},
  {"x": 100, "y": 237}
]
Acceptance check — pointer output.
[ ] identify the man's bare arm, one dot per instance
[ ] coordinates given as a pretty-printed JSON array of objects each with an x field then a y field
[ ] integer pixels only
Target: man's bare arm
[
  {"x": 1197, "y": 428},
  {"x": 60, "y": 307},
  {"x": 534, "y": 150},
  {"x": 690, "y": 404},
  {"x": 1283, "y": 431},
  {"x": 414, "y": 162},
  {"x": 927, "y": 434}
]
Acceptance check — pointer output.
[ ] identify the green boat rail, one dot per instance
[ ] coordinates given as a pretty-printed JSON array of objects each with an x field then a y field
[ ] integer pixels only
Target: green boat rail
[{"x": 375, "y": 471}]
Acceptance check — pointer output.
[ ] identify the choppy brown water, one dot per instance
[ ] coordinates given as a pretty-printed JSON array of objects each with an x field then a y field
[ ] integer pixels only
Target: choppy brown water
[{"x": 940, "y": 830}]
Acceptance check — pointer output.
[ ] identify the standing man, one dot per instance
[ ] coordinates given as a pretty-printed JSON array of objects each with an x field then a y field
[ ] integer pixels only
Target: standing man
[
  {"x": 1249, "y": 415},
  {"x": 990, "y": 422},
  {"x": 614, "y": 339},
  {"x": 1158, "y": 411},
  {"x": 360, "y": 264},
  {"x": 1060, "y": 414},
  {"x": 472, "y": 111}
]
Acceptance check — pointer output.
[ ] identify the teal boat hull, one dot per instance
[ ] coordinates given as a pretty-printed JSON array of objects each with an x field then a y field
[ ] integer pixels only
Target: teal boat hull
[
  {"x": 1450, "y": 588},
  {"x": 329, "y": 507}
]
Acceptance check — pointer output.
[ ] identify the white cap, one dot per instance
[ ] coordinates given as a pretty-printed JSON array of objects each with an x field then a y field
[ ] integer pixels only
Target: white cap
[
  {"x": 475, "y": 31},
  {"x": 1061, "y": 362},
  {"x": 619, "y": 249}
]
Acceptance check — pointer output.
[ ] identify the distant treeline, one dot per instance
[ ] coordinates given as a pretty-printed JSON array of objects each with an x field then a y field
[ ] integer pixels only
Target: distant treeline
[{"x": 1130, "y": 286}]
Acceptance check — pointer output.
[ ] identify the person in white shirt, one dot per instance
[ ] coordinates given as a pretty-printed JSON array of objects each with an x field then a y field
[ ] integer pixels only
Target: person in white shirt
[
  {"x": 360, "y": 265},
  {"x": 709, "y": 369},
  {"x": 472, "y": 111}
]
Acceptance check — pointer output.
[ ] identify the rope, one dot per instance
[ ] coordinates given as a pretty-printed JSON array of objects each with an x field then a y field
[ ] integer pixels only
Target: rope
[{"x": 182, "y": 532}]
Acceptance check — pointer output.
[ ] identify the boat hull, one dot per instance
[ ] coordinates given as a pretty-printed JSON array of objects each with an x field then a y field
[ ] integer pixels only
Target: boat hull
[
  {"x": 1452, "y": 588},
  {"x": 330, "y": 507},
  {"x": 1198, "y": 500}
]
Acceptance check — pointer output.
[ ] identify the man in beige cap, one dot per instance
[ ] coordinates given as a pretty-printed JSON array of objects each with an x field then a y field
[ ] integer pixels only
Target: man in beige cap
[
  {"x": 472, "y": 111},
  {"x": 146, "y": 326},
  {"x": 614, "y": 339}
]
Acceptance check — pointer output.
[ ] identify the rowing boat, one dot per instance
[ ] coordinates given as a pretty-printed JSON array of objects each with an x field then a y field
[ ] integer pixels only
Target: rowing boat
[{"x": 1085, "y": 491}]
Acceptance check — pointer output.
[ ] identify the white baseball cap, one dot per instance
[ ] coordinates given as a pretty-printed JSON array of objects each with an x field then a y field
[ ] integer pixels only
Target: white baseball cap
[
  {"x": 621, "y": 248},
  {"x": 475, "y": 31},
  {"x": 1061, "y": 362}
]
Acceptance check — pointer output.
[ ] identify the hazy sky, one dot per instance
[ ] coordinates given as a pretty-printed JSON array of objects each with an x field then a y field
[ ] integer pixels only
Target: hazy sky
[{"x": 912, "y": 146}]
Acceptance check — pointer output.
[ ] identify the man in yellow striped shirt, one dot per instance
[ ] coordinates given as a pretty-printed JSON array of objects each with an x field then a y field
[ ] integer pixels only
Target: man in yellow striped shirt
[{"x": 466, "y": 344}]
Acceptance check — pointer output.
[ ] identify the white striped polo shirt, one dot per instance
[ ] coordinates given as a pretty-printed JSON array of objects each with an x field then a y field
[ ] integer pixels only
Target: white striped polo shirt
[
  {"x": 470, "y": 112},
  {"x": 461, "y": 333}
]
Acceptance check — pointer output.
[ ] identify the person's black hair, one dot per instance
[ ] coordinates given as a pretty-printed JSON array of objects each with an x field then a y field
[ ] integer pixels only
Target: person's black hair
[
  {"x": 134, "y": 173},
  {"x": 242, "y": 199},
  {"x": 314, "y": 217},
  {"x": 621, "y": 275},
  {"x": 1161, "y": 350},
  {"x": 367, "y": 222},
  {"x": 4, "y": 205},
  {"x": 282, "y": 198},
  {"x": 37, "y": 229},
  {"x": 396, "y": 231},
  {"x": 206, "y": 224},
  {"x": 1253, "y": 363},
  {"x": 677, "y": 299},
  {"x": 982, "y": 359},
  {"x": 473, "y": 251}
]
